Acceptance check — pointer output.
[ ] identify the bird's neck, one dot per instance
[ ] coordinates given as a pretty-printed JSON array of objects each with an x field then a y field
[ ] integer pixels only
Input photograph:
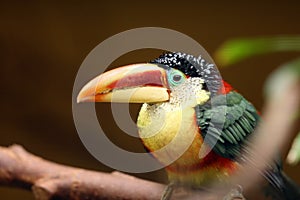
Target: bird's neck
[
  {"x": 168, "y": 128},
  {"x": 171, "y": 134}
]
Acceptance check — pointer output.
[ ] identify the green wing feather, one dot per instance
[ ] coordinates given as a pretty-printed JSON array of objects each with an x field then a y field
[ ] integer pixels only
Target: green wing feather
[{"x": 227, "y": 134}]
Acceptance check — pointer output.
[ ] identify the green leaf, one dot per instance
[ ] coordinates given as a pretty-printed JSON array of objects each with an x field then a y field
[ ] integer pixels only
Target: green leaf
[
  {"x": 283, "y": 76},
  {"x": 236, "y": 50},
  {"x": 293, "y": 157}
]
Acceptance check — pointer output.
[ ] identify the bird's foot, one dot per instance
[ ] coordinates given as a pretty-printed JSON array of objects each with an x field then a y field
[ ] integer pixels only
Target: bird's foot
[
  {"x": 168, "y": 191},
  {"x": 235, "y": 194}
]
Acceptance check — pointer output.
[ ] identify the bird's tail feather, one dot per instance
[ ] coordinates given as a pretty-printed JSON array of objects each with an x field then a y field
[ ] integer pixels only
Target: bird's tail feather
[
  {"x": 291, "y": 189},
  {"x": 285, "y": 188}
]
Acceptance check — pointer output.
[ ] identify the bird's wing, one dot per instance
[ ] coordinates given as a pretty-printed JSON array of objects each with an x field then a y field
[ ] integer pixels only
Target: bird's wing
[
  {"x": 226, "y": 123},
  {"x": 228, "y": 135}
]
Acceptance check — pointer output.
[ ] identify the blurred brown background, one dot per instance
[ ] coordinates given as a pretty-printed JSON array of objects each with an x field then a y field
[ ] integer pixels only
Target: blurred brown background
[{"x": 43, "y": 45}]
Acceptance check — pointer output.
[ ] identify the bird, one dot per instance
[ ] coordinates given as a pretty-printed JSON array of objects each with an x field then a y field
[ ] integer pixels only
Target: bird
[{"x": 184, "y": 99}]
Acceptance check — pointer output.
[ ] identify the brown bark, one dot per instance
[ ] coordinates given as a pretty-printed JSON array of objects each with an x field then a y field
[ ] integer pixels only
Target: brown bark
[{"x": 49, "y": 180}]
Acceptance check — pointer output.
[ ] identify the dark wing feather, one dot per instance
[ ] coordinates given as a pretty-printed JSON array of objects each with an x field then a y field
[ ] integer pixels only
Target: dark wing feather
[
  {"x": 227, "y": 124},
  {"x": 230, "y": 133}
]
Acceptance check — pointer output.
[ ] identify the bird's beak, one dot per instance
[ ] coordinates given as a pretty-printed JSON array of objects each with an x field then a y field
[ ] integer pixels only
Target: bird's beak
[{"x": 137, "y": 83}]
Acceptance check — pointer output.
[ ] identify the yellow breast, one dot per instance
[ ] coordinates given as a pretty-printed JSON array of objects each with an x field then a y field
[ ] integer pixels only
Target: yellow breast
[{"x": 172, "y": 135}]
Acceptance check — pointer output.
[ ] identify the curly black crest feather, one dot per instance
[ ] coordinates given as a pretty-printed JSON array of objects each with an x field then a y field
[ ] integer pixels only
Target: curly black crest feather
[{"x": 193, "y": 67}]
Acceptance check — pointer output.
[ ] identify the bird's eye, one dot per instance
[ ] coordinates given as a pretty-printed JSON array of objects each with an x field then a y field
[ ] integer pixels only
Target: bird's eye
[{"x": 176, "y": 77}]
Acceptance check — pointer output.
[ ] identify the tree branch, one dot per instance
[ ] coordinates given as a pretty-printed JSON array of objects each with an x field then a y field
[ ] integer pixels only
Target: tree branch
[{"x": 48, "y": 180}]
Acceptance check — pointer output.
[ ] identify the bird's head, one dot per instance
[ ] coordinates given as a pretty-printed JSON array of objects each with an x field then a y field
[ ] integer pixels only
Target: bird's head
[{"x": 172, "y": 77}]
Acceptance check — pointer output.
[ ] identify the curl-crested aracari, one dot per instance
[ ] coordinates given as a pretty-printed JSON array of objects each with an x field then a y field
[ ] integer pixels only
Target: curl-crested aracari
[{"x": 181, "y": 88}]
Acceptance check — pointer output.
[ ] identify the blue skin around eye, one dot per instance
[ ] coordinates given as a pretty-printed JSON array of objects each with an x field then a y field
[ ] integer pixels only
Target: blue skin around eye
[{"x": 172, "y": 73}]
